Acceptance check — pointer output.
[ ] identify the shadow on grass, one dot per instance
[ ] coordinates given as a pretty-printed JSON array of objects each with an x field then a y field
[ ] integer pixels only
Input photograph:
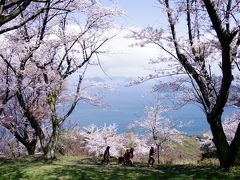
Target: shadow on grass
[
  {"x": 88, "y": 161},
  {"x": 103, "y": 172},
  {"x": 123, "y": 172},
  {"x": 142, "y": 173},
  {"x": 14, "y": 168},
  {"x": 89, "y": 169}
]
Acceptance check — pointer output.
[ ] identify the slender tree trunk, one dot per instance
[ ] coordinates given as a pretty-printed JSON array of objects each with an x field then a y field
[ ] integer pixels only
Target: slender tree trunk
[
  {"x": 220, "y": 141},
  {"x": 158, "y": 153}
]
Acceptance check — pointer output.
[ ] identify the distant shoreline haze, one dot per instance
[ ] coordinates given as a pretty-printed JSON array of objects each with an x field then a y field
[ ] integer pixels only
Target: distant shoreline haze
[{"x": 128, "y": 104}]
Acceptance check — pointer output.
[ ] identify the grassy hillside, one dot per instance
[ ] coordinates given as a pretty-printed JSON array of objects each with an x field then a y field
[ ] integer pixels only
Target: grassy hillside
[
  {"x": 69, "y": 167},
  {"x": 186, "y": 152}
]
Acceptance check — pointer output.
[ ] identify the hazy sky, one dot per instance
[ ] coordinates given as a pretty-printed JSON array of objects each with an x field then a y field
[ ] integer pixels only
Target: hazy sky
[
  {"x": 123, "y": 60},
  {"x": 139, "y": 12}
]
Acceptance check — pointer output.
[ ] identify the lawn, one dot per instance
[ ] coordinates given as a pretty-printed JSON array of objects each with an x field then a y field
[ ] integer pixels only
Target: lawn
[{"x": 69, "y": 167}]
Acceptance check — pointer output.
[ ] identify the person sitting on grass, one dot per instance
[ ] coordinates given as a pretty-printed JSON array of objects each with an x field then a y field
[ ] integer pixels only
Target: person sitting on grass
[{"x": 106, "y": 155}]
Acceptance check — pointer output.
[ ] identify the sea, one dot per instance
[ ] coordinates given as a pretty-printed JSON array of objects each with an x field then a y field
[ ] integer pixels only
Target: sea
[{"x": 126, "y": 104}]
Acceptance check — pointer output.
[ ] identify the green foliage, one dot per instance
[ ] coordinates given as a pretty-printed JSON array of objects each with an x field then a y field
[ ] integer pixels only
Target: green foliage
[
  {"x": 70, "y": 167},
  {"x": 186, "y": 152}
]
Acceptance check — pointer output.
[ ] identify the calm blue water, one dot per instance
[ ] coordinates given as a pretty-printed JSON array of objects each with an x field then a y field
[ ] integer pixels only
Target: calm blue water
[{"x": 127, "y": 105}]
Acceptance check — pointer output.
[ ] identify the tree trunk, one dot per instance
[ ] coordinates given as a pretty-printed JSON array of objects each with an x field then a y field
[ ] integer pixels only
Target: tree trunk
[
  {"x": 158, "y": 153},
  {"x": 50, "y": 149},
  {"x": 235, "y": 147},
  {"x": 31, "y": 147},
  {"x": 50, "y": 152},
  {"x": 220, "y": 141}
]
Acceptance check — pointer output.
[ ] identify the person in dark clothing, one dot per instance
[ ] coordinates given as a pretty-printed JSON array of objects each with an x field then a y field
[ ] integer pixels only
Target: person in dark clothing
[
  {"x": 130, "y": 162},
  {"x": 106, "y": 155},
  {"x": 121, "y": 160},
  {"x": 126, "y": 157},
  {"x": 151, "y": 156}
]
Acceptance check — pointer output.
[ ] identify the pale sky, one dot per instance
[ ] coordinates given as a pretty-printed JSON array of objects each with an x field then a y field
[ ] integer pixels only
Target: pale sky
[
  {"x": 139, "y": 12},
  {"x": 123, "y": 60}
]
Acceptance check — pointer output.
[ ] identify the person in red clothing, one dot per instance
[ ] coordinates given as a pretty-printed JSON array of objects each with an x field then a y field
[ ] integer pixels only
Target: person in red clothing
[
  {"x": 151, "y": 156},
  {"x": 128, "y": 156}
]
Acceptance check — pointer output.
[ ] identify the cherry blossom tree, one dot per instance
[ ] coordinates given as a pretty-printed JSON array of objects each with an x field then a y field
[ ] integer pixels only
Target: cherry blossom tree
[
  {"x": 13, "y": 120},
  {"x": 12, "y": 11},
  {"x": 10, "y": 146},
  {"x": 16, "y": 13},
  {"x": 97, "y": 139},
  {"x": 161, "y": 130},
  {"x": 204, "y": 50},
  {"x": 46, "y": 60},
  {"x": 12, "y": 116},
  {"x": 140, "y": 144}
]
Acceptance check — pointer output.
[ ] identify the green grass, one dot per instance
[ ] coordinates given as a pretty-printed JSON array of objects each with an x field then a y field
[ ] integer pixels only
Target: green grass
[{"x": 68, "y": 167}]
